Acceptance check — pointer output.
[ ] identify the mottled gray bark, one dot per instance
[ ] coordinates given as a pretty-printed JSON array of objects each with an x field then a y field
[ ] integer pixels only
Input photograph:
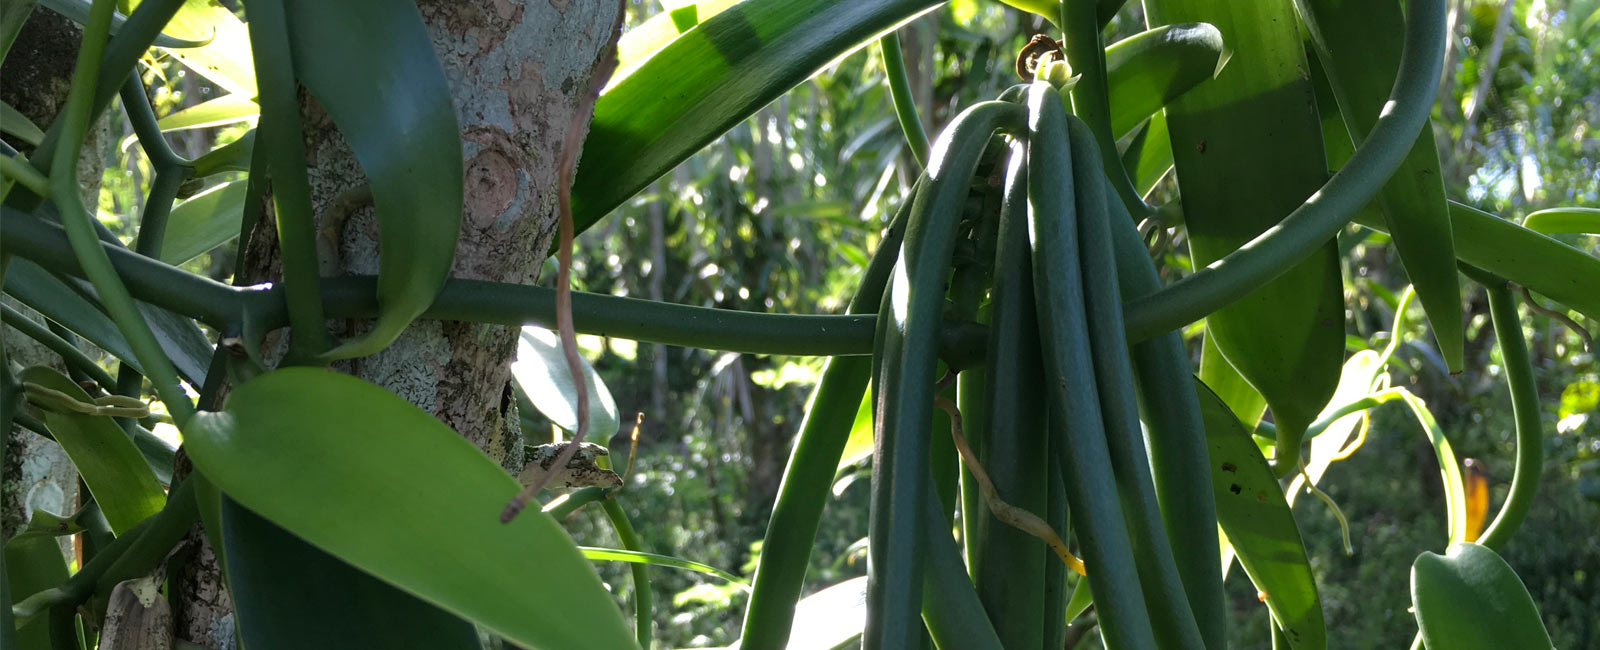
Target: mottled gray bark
[{"x": 516, "y": 70}]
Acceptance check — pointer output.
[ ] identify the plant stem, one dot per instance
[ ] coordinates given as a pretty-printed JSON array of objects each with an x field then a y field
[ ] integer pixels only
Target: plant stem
[
  {"x": 643, "y": 597},
  {"x": 905, "y": 106},
  {"x": 80, "y": 228},
  {"x": 1525, "y": 409},
  {"x": 1091, "y": 101}
]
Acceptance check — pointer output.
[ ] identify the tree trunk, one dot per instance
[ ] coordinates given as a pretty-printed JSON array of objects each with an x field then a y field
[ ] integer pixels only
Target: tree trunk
[{"x": 516, "y": 71}]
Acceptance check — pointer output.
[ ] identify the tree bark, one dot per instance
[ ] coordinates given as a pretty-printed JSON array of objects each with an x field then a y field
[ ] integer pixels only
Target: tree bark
[{"x": 516, "y": 71}]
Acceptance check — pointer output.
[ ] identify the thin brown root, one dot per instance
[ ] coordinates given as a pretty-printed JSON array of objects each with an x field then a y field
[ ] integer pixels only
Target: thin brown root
[
  {"x": 1588, "y": 340},
  {"x": 1008, "y": 514}
]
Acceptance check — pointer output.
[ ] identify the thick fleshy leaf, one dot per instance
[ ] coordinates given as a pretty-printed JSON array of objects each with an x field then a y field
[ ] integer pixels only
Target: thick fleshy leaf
[
  {"x": 225, "y": 57},
  {"x": 231, "y": 157},
  {"x": 372, "y": 67},
  {"x": 226, "y": 109},
  {"x": 106, "y": 458},
  {"x": 17, "y": 124},
  {"x": 710, "y": 78},
  {"x": 288, "y": 595},
  {"x": 642, "y": 41},
  {"x": 640, "y": 557},
  {"x": 1470, "y": 599},
  {"x": 1563, "y": 220},
  {"x": 296, "y": 446},
  {"x": 1252, "y": 511},
  {"x": 541, "y": 371},
  {"x": 33, "y": 564},
  {"x": 1151, "y": 68},
  {"x": 203, "y": 222},
  {"x": 78, "y": 12},
  {"x": 48, "y": 295},
  {"x": 858, "y": 446},
  {"x": 830, "y": 618}
]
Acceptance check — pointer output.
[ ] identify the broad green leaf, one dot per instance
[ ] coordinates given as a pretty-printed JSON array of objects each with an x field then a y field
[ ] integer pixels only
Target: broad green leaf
[
  {"x": 371, "y": 66},
  {"x": 1355, "y": 382},
  {"x": 541, "y": 371},
  {"x": 639, "y": 557},
  {"x": 642, "y": 41},
  {"x": 48, "y": 295},
  {"x": 17, "y": 124},
  {"x": 1151, "y": 68},
  {"x": 858, "y": 446},
  {"x": 288, "y": 595},
  {"x": 710, "y": 78},
  {"x": 1252, "y": 511},
  {"x": 205, "y": 221},
  {"x": 1221, "y": 377},
  {"x": 830, "y": 618},
  {"x": 231, "y": 157},
  {"x": 225, "y": 57},
  {"x": 1470, "y": 599},
  {"x": 1562, "y": 220},
  {"x": 1359, "y": 44},
  {"x": 1553, "y": 269},
  {"x": 74, "y": 306},
  {"x": 78, "y": 12},
  {"x": 297, "y": 447},
  {"x": 226, "y": 109},
  {"x": 1286, "y": 337},
  {"x": 1149, "y": 155},
  {"x": 105, "y": 456},
  {"x": 33, "y": 564}
]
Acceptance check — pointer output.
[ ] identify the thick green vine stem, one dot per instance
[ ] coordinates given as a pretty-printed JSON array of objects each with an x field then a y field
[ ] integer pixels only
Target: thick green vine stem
[
  {"x": 908, "y": 329},
  {"x": 1525, "y": 409},
  {"x": 905, "y": 106},
  {"x": 80, "y": 225},
  {"x": 1091, "y": 101},
  {"x": 643, "y": 598},
  {"x": 1327, "y": 210},
  {"x": 797, "y": 511},
  {"x": 291, "y": 189}
]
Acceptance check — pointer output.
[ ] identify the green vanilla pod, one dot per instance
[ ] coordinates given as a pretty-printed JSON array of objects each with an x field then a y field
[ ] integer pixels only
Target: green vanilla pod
[{"x": 1079, "y": 441}]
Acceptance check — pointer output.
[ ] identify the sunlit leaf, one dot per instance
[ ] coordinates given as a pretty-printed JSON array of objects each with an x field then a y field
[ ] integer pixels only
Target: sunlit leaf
[
  {"x": 226, "y": 109},
  {"x": 1470, "y": 599},
  {"x": 541, "y": 371},
  {"x": 203, "y": 222},
  {"x": 296, "y": 446}
]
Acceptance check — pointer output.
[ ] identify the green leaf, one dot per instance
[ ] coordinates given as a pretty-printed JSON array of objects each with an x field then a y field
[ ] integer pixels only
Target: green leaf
[
  {"x": 1561, "y": 220},
  {"x": 78, "y": 12},
  {"x": 858, "y": 446},
  {"x": 17, "y": 124},
  {"x": 1252, "y": 511},
  {"x": 541, "y": 371},
  {"x": 639, "y": 557},
  {"x": 203, "y": 222},
  {"x": 105, "y": 456},
  {"x": 226, "y": 109},
  {"x": 48, "y": 295},
  {"x": 642, "y": 41},
  {"x": 371, "y": 66},
  {"x": 830, "y": 618},
  {"x": 1469, "y": 599},
  {"x": 287, "y": 595},
  {"x": 297, "y": 446},
  {"x": 1359, "y": 43},
  {"x": 33, "y": 564},
  {"x": 231, "y": 157},
  {"x": 1151, "y": 68},
  {"x": 225, "y": 58},
  {"x": 710, "y": 78}
]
